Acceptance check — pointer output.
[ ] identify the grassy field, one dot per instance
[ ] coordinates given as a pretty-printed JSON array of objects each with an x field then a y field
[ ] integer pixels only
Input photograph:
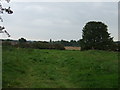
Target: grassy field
[{"x": 33, "y": 68}]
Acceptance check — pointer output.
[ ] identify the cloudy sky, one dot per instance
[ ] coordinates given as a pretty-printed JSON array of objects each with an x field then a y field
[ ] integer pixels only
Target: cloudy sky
[{"x": 58, "y": 20}]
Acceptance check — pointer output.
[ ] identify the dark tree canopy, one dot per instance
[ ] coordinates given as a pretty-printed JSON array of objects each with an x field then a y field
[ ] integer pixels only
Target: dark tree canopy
[
  {"x": 95, "y": 36},
  {"x": 22, "y": 40}
]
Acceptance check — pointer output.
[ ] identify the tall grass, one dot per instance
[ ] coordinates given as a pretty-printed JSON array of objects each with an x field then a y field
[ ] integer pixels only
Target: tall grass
[{"x": 34, "y": 68}]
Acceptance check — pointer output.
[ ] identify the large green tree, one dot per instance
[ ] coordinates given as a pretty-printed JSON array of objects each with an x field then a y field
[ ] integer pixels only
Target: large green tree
[{"x": 95, "y": 36}]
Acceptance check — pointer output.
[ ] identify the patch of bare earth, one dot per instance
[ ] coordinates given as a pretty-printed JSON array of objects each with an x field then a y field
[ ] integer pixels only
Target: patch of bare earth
[{"x": 72, "y": 48}]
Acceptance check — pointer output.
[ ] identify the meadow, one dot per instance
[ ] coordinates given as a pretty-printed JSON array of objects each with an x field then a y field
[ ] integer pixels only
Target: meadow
[{"x": 40, "y": 68}]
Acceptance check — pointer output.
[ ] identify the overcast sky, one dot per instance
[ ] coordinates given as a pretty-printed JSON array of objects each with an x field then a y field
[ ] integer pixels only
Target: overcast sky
[{"x": 58, "y": 20}]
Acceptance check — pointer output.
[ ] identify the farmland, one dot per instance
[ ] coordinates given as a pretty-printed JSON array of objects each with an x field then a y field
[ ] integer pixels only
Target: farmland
[
  {"x": 42, "y": 68},
  {"x": 72, "y": 48}
]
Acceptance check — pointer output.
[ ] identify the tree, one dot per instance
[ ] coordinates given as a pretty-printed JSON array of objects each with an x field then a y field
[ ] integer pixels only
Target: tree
[
  {"x": 50, "y": 40},
  {"x": 2, "y": 10},
  {"x": 22, "y": 40},
  {"x": 95, "y": 36},
  {"x": 22, "y": 43}
]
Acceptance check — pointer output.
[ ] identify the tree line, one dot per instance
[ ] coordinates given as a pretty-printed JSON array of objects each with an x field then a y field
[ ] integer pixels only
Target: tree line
[
  {"x": 23, "y": 43},
  {"x": 94, "y": 36}
]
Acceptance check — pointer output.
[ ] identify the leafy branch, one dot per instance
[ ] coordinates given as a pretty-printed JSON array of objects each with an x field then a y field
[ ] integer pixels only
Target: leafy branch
[{"x": 2, "y": 10}]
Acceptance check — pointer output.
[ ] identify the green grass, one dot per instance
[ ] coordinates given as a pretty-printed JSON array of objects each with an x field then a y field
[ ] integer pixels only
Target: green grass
[{"x": 33, "y": 68}]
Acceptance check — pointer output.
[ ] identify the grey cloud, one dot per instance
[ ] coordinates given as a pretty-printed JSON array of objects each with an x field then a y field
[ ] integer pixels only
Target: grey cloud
[{"x": 42, "y": 21}]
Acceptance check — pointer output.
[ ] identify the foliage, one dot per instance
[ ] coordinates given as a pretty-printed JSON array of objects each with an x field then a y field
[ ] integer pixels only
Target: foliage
[
  {"x": 2, "y": 10},
  {"x": 36, "y": 68},
  {"x": 22, "y": 40},
  {"x": 96, "y": 36},
  {"x": 68, "y": 43}
]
